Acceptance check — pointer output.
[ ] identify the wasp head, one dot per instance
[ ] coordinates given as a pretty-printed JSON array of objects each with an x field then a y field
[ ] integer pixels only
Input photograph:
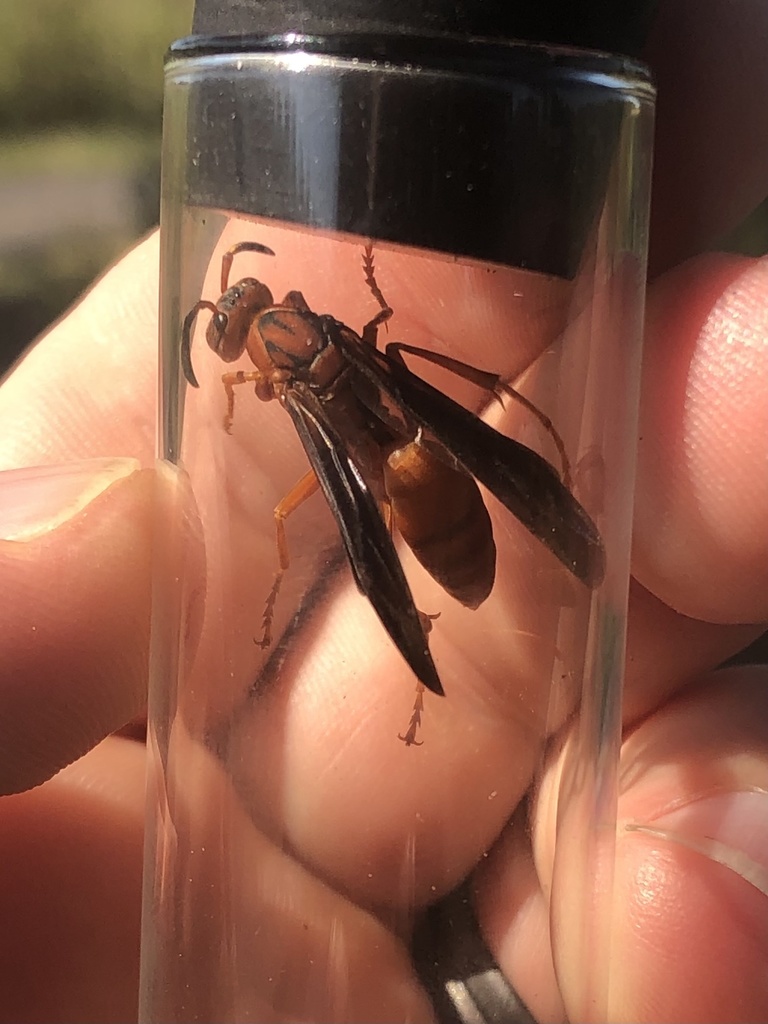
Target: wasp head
[
  {"x": 231, "y": 319},
  {"x": 236, "y": 310}
]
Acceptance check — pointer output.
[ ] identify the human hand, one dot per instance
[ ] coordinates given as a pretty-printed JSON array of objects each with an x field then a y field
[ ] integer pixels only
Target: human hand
[{"x": 74, "y": 673}]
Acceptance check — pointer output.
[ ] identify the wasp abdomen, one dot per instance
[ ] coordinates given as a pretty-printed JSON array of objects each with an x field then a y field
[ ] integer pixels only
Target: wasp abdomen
[{"x": 440, "y": 514}]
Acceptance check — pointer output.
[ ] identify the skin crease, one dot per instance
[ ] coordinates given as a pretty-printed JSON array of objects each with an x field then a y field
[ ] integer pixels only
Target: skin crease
[{"x": 71, "y": 848}]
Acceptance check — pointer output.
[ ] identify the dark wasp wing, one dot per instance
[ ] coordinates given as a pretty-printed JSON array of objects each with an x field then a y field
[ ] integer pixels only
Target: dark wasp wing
[
  {"x": 371, "y": 553},
  {"x": 523, "y": 481}
]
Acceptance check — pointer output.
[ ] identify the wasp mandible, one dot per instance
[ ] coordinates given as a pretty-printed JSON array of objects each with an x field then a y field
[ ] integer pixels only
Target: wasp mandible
[{"x": 391, "y": 453}]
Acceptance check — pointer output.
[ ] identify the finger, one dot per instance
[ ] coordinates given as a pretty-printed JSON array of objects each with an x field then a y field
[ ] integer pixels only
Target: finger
[
  {"x": 667, "y": 651},
  {"x": 76, "y": 559},
  {"x": 711, "y": 157},
  {"x": 683, "y": 925},
  {"x": 701, "y": 773},
  {"x": 702, "y": 489},
  {"x": 71, "y": 857}
]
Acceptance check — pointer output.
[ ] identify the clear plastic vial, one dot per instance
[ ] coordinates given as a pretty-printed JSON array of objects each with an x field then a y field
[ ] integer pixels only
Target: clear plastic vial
[{"x": 402, "y": 293}]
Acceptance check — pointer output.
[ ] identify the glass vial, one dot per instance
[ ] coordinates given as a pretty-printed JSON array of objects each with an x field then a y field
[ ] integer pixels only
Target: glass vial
[{"x": 402, "y": 293}]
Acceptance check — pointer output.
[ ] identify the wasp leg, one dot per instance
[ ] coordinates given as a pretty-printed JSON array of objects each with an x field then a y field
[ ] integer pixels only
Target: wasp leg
[
  {"x": 230, "y": 382},
  {"x": 371, "y": 329},
  {"x": 370, "y": 334},
  {"x": 413, "y": 726},
  {"x": 418, "y": 705},
  {"x": 548, "y": 425},
  {"x": 490, "y": 382},
  {"x": 297, "y": 495},
  {"x": 427, "y": 618},
  {"x": 370, "y": 278}
]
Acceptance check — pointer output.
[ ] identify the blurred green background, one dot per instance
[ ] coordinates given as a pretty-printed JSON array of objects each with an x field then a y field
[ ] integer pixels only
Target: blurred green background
[{"x": 80, "y": 122}]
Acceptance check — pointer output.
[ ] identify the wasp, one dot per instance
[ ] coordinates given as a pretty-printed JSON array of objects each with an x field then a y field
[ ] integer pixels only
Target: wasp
[{"x": 391, "y": 454}]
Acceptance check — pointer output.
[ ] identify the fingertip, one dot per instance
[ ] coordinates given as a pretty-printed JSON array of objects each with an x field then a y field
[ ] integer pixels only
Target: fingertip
[
  {"x": 71, "y": 861},
  {"x": 686, "y": 924},
  {"x": 702, "y": 496}
]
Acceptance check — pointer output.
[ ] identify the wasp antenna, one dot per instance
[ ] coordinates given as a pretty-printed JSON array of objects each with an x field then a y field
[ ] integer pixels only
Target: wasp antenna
[
  {"x": 186, "y": 347},
  {"x": 250, "y": 247},
  {"x": 229, "y": 255},
  {"x": 186, "y": 339}
]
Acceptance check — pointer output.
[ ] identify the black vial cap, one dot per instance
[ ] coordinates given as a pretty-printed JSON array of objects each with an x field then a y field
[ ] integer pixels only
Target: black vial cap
[
  {"x": 456, "y": 163},
  {"x": 618, "y": 27}
]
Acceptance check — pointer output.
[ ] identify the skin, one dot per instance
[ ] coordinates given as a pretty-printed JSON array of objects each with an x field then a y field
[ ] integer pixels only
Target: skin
[{"x": 689, "y": 935}]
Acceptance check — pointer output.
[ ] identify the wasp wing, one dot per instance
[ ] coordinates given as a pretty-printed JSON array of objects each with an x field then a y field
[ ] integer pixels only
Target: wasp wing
[
  {"x": 520, "y": 478},
  {"x": 371, "y": 553}
]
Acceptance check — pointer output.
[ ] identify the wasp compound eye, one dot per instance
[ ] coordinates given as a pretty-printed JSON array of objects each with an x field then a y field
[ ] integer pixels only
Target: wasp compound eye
[
  {"x": 186, "y": 339},
  {"x": 217, "y": 331}
]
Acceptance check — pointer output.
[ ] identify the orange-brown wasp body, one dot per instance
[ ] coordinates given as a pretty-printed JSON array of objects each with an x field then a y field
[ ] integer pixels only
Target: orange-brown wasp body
[{"x": 391, "y": 452}]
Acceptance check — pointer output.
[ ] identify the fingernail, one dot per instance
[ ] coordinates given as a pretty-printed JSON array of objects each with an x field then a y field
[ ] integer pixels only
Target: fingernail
[
  {"x": 729, "y": 828},
  {"x": 35, "y": 501}
]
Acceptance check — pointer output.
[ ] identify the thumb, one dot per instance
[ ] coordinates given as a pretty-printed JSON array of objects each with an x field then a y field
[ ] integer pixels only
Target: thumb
[{"x": 76, "y": 560}]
